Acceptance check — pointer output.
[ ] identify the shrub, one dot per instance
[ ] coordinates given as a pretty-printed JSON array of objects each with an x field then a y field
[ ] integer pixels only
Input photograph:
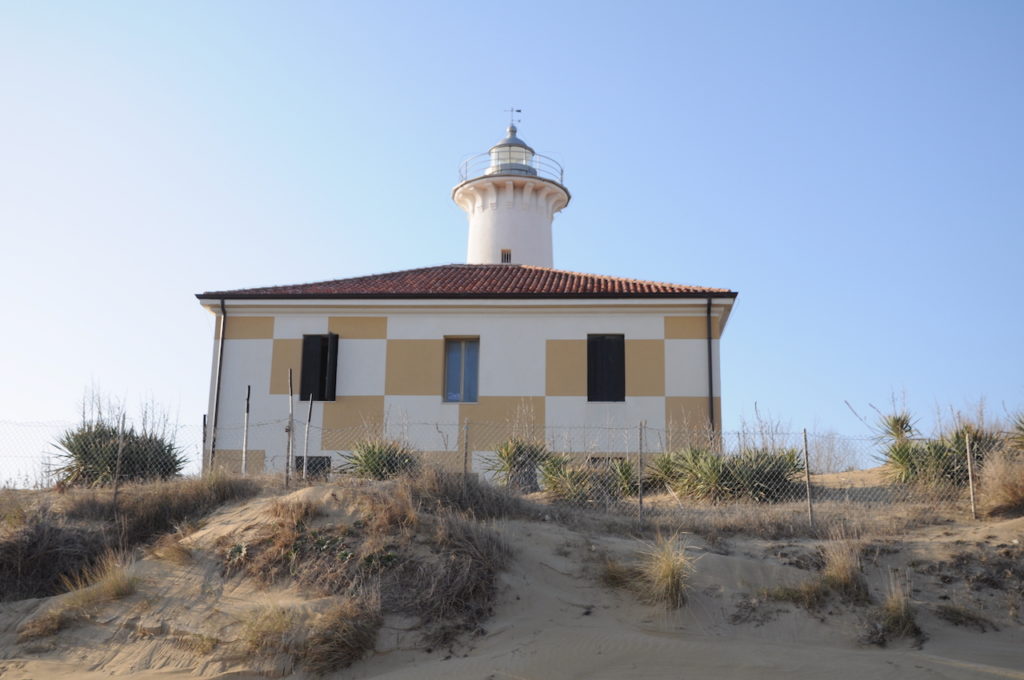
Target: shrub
[
  {"x": 597, "y": 481},
  {"x": 622, "y": 477},
  {"x": 941, "y": 461},
  {"x": 381, "y": 459},
  {"x": 90, "y": 453},
  {"x": 761, "y": 475},
  {"x": 563, "y": 480},
  {"x": 516, "y": 463},
  {"x": 665, "y": 470}
]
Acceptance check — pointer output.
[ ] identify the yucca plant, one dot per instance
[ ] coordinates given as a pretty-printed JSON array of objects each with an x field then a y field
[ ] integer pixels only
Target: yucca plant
[
  {"x": 381, "y": 459},
  {"x": 704, "y": 475},
  {"x": 516, "y": 462},
  {"x": 1015, "y": 438},
  {"x": 623, "y": 477},
  {"x": 941, "y": 461},
  {"x": 766, "y": 475},
  {"x": 90, "y": 454},
  {"x": 664, "y": 470},
  {"x": 762, "y": 475},
  {"x": 564, "y": 481}
]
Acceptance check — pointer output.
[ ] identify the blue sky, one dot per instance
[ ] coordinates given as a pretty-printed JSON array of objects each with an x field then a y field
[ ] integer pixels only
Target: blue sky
[{"x": 853, "y": 169}]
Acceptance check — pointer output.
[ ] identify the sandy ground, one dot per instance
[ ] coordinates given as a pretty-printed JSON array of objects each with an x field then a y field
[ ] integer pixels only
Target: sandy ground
[{"x": 554, "y": 619}]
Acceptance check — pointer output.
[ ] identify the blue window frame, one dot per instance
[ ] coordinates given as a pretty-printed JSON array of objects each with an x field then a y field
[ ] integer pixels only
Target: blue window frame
[{"x": 461, "y": 369}]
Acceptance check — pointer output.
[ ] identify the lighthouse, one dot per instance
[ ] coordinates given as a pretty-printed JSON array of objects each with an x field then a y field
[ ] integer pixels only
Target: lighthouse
[{"x": 510, "y": 195}]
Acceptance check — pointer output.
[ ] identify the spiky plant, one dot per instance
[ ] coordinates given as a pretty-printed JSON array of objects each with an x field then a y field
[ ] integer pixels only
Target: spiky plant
[
  {"x": 665, "y": 470},
  {"x": 381, "y": 459},
  {"x": 623, "y": 477},
  {"x": 516, "y": 462},
  {"x": 896, "y": 427},
  {"x": 565, "y": 481},
  {"x": 96, "y": 452},
  {"x": 703, "y": 475},
  {"x": 766, "y": 475}
]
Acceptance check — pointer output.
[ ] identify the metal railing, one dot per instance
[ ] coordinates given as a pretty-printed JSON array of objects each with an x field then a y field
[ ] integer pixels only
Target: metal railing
[{"x": 483, "y": 165}]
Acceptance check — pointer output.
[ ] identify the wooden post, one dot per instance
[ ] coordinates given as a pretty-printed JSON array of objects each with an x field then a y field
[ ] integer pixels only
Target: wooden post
[
  {"x": 289, "y": 428},
  {"x": 305, "y": 441},
  {"x": 245, "y": 429},
  {"x": 807, "y": 481},
  {"x": 117, "y": 464},
  {"x": 640, "y": 469},
  {"x": 970, "y": 473}
]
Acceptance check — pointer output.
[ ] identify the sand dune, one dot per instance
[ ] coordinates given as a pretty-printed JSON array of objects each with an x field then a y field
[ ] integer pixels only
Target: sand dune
[{"x": 554, "y": 618}]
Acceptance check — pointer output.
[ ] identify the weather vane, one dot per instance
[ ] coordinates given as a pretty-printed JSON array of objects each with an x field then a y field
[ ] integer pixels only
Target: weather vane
[{"x": 512, "y": 111}]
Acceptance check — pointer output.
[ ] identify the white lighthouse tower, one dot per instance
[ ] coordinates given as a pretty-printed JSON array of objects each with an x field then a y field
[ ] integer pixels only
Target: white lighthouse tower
[{"x": 510, "y": 195}]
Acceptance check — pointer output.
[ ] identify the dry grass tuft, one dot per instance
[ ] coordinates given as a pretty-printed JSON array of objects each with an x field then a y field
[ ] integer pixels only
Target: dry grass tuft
[
  {"x": 1002, "y": 483},
  {"x": 104, "y": 582},
  {"x": 664, "y": 571},
  {"x": 294, "y": 513},
  {"x": 842, "y": 570},
  {"x": 615, "y": 574},
  {"x": 895, "y": 618},
  {"x": 961, "y": 616},
  {"x": 386, "y": 509},
  {"x": 13, "y": 513},
  {"x": 343, "y": 634},
  {"x": 169, "y": 549},
  {"x": 456, "y": 591},
  {"x": 438, "y": 491},
  {"x": 270, "y": 630},
  {"x": 811, "y": 595},
  {"x": 196, "y": 643},
  {"x": 36, "y": 558}
]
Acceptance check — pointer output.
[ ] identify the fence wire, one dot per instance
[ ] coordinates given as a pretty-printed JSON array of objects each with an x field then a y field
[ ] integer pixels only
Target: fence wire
[{"x": 625, "y": 469}]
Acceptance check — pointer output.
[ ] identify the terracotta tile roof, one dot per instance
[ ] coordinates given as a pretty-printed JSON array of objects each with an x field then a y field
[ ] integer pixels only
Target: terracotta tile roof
[{"x": 475, "y": 281}]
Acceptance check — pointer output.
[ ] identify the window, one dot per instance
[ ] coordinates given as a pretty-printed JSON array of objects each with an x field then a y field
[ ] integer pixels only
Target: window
[
  {"x": 461, "y": 362},
  {"x": 318, "y": 467},
  {"x": 319, "y": 367},
  {"x": 606, "y": 368},
  {"x": 506, "y": 256}
]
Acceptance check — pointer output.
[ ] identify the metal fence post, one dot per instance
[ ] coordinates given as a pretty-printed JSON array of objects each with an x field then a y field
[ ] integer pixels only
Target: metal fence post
[
  {"x": 640, "y": 468},
  {"x": 465, "y": 458},
  {"x": 117, "y": 464},
  {"x": 970, "y": 473},
  {"x": 305, "y": 440},
  {"x": 807, "y": 481},
  {"x": 289, "y": 429},
  {"x": 245, "y": 429}
]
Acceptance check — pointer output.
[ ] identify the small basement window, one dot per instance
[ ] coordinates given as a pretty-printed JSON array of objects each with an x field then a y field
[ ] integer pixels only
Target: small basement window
[{"x": 506, "y": 256}]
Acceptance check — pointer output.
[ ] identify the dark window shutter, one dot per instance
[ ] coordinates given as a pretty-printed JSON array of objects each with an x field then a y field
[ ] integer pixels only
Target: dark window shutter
[
  {"x": 331, "y": 369},
  {"x": 313, "y": 359},
  {"x": 606, "y": 368}
]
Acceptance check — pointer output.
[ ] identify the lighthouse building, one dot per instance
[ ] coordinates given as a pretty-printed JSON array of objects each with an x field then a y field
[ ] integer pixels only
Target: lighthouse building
[{"x": 502, "y": 345}]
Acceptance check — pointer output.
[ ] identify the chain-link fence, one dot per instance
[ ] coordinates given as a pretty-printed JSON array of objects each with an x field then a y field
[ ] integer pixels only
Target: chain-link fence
[
  {"x": 42, "y": 454},
  {"x": 629, "y": 470}
]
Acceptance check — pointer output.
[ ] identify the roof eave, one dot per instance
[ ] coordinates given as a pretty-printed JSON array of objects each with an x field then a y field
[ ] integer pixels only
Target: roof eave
[{"x": 229, "y": 295}]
